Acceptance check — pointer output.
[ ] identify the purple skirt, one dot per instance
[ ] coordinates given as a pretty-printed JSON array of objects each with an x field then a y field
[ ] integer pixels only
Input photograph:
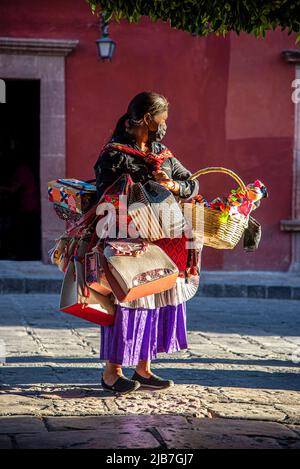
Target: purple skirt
[{"x": 140, "y": 333}]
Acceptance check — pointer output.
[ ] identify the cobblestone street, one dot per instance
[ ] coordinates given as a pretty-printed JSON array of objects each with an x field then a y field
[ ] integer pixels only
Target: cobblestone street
[{"x": 236, "y": 386}]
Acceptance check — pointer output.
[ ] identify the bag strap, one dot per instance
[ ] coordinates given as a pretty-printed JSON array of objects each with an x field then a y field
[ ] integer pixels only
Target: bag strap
[
  {"x": 119, "y": 252},
  {"x": 117, "y": 290},
  {"x": 80, "y": 225}
]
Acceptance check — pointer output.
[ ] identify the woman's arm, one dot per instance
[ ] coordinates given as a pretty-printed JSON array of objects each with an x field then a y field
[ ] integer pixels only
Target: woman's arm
[
  {"x": 109, "y": 166},
  {"x": 187, "y": 188}
]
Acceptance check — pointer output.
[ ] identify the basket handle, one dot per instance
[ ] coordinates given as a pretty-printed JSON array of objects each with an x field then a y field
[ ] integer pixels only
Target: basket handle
[{"x": 218, "y": 169}]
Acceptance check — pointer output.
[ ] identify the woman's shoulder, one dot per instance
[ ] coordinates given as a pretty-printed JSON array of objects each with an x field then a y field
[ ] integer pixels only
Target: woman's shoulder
[
  {"x": 109, "y": 156},
  {"x": 116, "y": 155},
  {"x": 108, "y": 150},
  {"x": 162, "y": 147},
  {"x": 159, "y": 147}
]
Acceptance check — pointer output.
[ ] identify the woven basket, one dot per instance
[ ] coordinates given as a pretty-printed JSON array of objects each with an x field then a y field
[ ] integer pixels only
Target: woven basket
[{"x": 219, "y": 234}]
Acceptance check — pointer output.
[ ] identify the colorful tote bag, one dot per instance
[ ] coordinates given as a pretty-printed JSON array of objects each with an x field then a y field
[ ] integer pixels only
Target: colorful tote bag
[{"x": 71, "y": 198}]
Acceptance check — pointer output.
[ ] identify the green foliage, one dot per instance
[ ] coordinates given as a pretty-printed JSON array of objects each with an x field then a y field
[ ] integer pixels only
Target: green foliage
[{"x": 200, "y": 17}]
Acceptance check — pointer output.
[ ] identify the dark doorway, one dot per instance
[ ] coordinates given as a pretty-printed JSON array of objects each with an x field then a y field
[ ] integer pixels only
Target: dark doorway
[{"x": 20, "y": 211}]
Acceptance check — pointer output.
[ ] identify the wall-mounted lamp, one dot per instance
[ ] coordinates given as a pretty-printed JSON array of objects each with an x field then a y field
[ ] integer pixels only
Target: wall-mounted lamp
[{"x": 105, "y": 45}]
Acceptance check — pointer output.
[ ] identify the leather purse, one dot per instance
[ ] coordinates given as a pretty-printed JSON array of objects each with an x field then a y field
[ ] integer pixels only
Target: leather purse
[
  {"x": 95, "y": 276},
  {"x": 78, "y": 299},
  {"x": 135, "y": 268}
]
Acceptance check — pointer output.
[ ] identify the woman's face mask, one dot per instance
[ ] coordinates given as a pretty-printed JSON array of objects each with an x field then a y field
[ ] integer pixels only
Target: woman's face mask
[{"x": 158, "y": 134}]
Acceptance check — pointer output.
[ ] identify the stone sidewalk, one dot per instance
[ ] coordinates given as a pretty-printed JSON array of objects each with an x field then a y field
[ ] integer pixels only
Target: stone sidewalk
[
  {"x": 236, "y": 386},
  {"x": 36, "y": 277}
]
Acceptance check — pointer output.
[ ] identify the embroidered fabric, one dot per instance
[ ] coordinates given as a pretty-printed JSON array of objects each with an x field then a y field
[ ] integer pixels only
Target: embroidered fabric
[{"x": 154, "y": 274}]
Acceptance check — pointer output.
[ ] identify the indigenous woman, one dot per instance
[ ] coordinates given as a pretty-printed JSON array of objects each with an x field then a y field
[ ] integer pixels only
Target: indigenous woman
[{"x": 154, "y": 323}]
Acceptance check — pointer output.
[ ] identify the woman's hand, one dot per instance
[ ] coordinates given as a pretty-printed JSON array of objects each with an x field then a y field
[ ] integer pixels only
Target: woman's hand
[{"x": 163, "y": 179}]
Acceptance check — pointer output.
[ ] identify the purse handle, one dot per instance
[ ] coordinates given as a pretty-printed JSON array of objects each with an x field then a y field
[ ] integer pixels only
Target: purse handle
[
  {"x": 144, "y": 245},
  {"x": 218, "y": 169}
]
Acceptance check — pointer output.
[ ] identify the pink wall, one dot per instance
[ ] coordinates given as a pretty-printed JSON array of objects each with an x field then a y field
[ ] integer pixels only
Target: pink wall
[{"x": 229, "y": 100}]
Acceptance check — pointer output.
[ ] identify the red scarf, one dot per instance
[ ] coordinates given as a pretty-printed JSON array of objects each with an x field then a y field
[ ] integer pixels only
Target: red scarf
[{"x": 155, "y": 159}]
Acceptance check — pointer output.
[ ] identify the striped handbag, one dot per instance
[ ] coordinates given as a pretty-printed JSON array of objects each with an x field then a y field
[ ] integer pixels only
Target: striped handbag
[{"x": 155, "y": 211}]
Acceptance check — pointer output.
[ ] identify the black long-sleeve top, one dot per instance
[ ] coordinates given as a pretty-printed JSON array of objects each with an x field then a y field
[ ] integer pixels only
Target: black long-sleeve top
[{"x": 113, "y": 163}]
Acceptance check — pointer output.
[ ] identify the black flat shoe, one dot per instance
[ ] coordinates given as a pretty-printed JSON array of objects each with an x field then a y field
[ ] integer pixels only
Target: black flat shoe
[
  {"x": 123, "y": 385},
  {"x": 154, "y": 381}
]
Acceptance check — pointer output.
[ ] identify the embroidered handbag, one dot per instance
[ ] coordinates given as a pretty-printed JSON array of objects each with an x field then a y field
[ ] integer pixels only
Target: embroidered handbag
[
  {"x": 71, "y": 198},
  {"x": 58, "y": 254},
  {"x": 155, "y": 211},
  {"x": 121, "y": 187},
  {"x": 78, "y": 299},
  {"x": 95, "y": 276},
  {"x": 135, "y": 268},
  {"x": 184, "y": 250},
  {"x": 177, "y": 249},
  {"x": 66, "y": 247}
]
